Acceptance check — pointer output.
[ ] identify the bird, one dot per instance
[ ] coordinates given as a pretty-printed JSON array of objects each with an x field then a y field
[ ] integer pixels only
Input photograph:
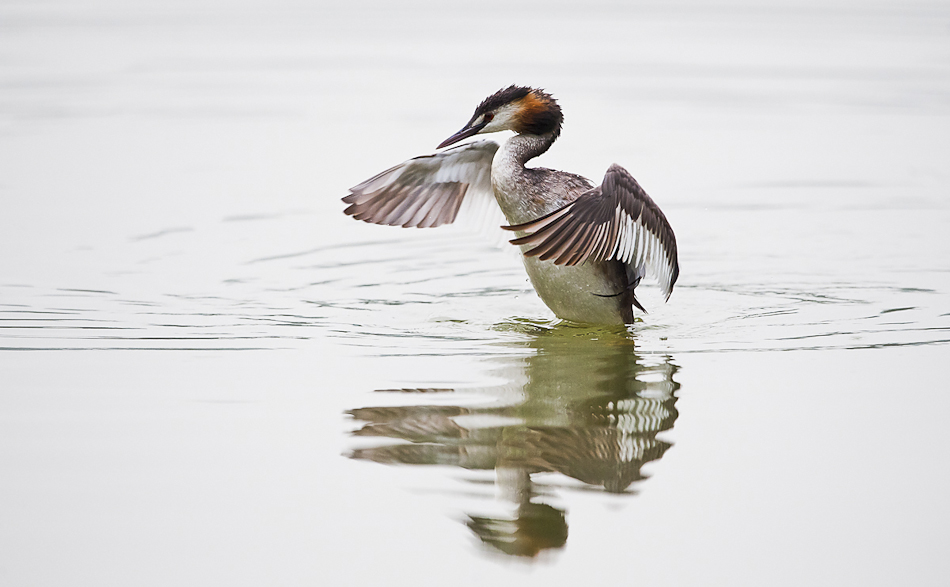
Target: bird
[{"x": 585, "y": 248}]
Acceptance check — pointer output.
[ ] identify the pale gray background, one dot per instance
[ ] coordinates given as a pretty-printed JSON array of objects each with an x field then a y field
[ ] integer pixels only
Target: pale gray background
[{"x": 186, "y": 314}]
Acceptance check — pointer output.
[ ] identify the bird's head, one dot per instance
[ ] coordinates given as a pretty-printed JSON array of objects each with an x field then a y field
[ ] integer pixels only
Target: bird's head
[{"x": 524, "y": 110}]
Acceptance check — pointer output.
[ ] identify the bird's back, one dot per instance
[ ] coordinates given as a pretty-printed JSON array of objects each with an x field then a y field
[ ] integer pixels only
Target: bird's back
[{"x": 526, "y": 193}]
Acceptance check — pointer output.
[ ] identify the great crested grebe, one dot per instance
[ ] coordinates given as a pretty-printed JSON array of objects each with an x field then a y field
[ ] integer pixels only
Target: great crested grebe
[{"x": 585, "y": 248}]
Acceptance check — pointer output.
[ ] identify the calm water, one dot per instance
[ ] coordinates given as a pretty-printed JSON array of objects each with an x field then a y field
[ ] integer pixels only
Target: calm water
[{"x": 211, "y": 376}]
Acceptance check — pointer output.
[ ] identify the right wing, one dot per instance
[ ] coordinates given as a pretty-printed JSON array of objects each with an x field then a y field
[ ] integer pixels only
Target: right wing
[
  {"x": 429, "y": 190},
  {"x": 614, "y": 221}
]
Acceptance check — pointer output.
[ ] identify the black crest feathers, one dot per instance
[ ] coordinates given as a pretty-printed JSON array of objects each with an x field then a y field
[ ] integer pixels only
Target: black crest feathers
[{"x": 538, "y": 112}]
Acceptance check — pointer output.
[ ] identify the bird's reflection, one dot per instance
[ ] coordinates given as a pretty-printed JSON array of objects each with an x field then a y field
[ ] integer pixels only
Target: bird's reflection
[{"x": 582, "y": 404}]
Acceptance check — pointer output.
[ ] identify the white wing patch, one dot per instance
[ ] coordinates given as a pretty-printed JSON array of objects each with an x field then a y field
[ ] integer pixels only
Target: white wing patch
[{"x": 638, "y": 246}]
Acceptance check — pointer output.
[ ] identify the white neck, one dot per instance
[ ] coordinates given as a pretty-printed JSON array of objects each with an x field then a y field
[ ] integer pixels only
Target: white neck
[
  {"x": 511, "y": 183},
  {"x": 522, "y": 148}
]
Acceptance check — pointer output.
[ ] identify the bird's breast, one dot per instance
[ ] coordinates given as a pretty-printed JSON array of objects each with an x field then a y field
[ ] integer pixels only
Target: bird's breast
[{"x": 590, "y": 292}]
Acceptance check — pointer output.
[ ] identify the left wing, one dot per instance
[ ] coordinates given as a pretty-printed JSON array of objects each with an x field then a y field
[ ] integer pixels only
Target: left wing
[
  {"x": 614, "y": 221},
  {"x": 429, "y": 190}
]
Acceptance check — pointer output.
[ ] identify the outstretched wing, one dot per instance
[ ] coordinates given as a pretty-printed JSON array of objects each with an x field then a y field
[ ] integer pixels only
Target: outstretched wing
[
  {"x": 614, "y": 221},
  {"x": 429, "y": 190}
]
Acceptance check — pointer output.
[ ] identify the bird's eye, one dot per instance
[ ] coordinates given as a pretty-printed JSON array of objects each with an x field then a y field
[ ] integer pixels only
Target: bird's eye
[{"x": 488, "y": 117}]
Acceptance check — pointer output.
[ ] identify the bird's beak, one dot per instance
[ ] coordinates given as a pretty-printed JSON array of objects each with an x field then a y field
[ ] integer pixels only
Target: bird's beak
[{"x": 466, "y": 132}]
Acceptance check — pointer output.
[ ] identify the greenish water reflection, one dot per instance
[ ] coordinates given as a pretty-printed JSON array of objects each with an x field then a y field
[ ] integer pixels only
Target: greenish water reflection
[{"x": 582, "y": 403}]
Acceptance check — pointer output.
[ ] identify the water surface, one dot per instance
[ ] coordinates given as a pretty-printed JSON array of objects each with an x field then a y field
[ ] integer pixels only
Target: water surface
[{"x": 212, "y": 376}]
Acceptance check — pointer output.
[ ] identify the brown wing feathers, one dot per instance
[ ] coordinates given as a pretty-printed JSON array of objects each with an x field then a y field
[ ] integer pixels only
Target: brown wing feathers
[
  {"x": 567, "y": 235},
  {"x": 425, "y": 191},
  {"x": 408, "y": 206},
  {"x": 601, "y": 225}
]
